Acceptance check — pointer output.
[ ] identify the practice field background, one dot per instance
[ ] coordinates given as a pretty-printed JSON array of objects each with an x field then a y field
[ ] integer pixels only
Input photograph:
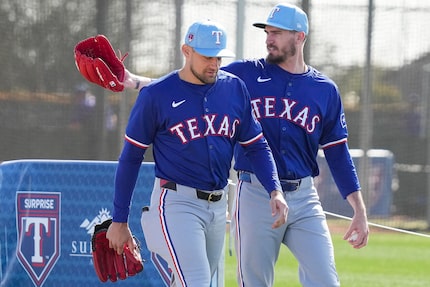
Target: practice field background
[
  {"x": 391, "y": 259},
  {"x": 377, "y": 51},
  {"x": 373, "y": 49}
]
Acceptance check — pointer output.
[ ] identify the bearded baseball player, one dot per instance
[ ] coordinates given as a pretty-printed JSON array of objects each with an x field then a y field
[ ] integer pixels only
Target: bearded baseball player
[
  {"x": 300, "y": 110},
  {"x": 193, "y": 117}
]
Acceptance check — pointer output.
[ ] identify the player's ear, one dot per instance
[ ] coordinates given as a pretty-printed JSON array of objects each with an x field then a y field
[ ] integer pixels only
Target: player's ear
[
  {"x": 186, "y": 50},
  {"x": 301, "y": 36}
]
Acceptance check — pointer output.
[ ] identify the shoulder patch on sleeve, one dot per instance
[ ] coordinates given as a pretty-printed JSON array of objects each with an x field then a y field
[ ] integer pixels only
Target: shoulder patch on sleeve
[{"x": 343, "y": 120}]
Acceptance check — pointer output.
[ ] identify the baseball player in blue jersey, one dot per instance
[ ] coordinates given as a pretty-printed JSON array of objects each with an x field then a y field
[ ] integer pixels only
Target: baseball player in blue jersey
[
  {"x": 193, "y": 117},
  {"x": 300, "y": 111}
]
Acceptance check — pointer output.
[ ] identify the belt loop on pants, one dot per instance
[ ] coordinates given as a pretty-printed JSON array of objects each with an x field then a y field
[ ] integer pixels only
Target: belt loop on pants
[
  {"x": 244, "y": 176},
  {"x": 288, "y": 185},
  {"x": 209, "y": 196}
]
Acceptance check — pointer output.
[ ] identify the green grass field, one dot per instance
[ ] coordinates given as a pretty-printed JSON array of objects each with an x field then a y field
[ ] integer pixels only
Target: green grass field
[{"x": 390, "y": 259}]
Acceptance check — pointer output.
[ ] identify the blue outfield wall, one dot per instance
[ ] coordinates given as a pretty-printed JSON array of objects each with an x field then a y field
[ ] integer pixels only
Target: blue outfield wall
[{"x": 48, "y": 209}]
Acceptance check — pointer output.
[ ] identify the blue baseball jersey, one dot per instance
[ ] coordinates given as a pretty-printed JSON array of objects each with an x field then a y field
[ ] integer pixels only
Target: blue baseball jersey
[
  {"x": 299, "y": 114},
  {"x": 193, "y": 128}
]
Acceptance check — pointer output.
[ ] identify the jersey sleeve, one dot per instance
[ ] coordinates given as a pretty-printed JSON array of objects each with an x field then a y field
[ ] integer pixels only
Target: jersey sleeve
[
  {"x": 342, "y": 168},
  {"x": 335, "y": 128},
  {"x": 334, "y": 144},
  {"x": 126, "y": 175},
  {"x": 138, "y": 136},
  {"x": 142, "y": 123}
]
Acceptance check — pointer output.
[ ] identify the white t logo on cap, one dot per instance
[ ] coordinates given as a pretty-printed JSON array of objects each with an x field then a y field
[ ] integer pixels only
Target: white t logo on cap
[
  {"x": 218, "y": 36},
  {"x": 274, "y": 10}
]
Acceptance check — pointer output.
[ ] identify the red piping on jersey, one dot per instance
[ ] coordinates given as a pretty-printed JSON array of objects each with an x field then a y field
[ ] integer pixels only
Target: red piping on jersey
[
  {"x": 330, "y": 144},
  {"x": 248, "y": 142},
  {"x": 136, "y": 143}
]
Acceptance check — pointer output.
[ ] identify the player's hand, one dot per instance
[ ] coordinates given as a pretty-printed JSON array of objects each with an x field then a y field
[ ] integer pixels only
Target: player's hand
[
  {"x": 118, "y": 234},
  {"x": 279, "y": 208},
  {"x": 358, "y": 232}
]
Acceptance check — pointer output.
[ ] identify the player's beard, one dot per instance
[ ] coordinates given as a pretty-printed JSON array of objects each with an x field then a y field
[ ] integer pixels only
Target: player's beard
[
  {"x": 289, "y": 51},
  {"x": 203, "y": 77}
]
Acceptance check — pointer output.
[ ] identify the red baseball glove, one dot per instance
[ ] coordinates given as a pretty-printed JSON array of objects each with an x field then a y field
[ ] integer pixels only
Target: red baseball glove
[
  {"x": 107, "y": 263},
  {"x": 97, "y": 61}
]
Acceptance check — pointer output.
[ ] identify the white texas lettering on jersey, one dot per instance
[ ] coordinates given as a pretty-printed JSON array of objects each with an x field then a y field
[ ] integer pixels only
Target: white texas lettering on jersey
[
  {"x": 265, "y": 108},
  {"x": 189, "y": 129}
]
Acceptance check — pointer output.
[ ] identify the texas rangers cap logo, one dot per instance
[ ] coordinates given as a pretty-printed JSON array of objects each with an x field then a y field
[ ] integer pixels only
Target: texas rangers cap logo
[
  {"x": 190, "y": 37},
  {"x": 38, "y": 231}
]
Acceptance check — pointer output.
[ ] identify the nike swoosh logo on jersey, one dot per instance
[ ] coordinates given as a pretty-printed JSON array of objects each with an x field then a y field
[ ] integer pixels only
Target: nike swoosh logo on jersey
[
  {"x": 177, "y": 104},
  {"x": 262, "y": 80}
]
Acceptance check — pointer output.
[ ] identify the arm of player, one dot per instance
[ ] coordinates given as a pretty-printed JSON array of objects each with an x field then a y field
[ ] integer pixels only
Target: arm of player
[
  {"x": 344, "y": 174},
  {"x": 126, "y": 175},
  {"x": 132, "y": 81},
  {"x": 358, "y": 231}
]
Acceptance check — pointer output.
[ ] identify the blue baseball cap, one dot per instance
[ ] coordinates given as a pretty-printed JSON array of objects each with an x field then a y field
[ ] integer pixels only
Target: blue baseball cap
[
  {"x": 209, "y": 39},
  {"x": 286, "y": 17}
]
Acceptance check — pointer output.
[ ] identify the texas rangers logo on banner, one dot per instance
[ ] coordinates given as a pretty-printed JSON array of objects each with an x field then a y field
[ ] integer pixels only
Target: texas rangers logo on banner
[{"x": 38, "y": 231}]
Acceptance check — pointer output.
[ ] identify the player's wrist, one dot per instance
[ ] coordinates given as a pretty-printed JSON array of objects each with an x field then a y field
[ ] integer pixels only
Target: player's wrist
[
  {"x": 275, "y": 193},
  {"x": 137, "y": 85},
  {"x": 137, "y": 82}
]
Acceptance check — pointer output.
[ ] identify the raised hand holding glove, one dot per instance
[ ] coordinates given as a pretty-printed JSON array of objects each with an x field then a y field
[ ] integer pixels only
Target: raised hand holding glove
[{"x": 97, "y": 61}]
